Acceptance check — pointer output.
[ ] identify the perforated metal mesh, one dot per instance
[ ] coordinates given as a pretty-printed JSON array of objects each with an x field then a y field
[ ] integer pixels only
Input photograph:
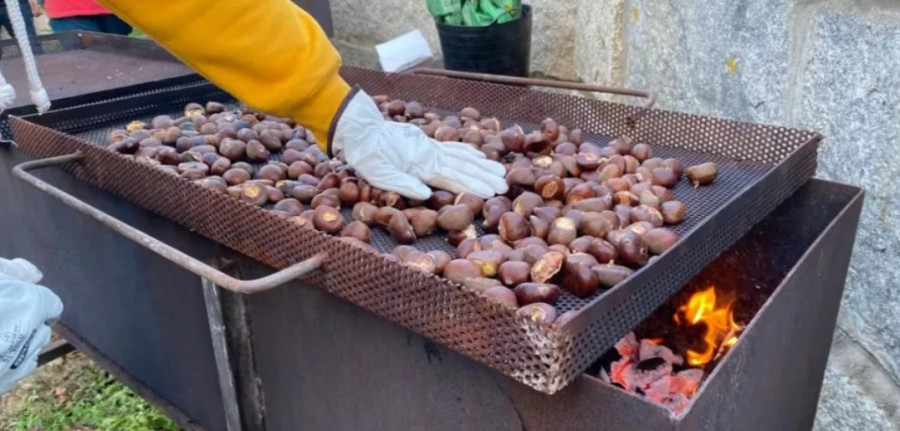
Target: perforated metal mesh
[{"x": 759, "y": 167}]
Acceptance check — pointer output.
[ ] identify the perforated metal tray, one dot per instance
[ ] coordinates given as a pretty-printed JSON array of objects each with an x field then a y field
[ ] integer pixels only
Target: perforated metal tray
[{"x": 760, "y": 166}]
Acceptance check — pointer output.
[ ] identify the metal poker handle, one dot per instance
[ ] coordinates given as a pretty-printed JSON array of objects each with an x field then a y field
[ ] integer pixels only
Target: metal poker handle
[
  {"x": 514, "y": 80},
  {"x": 179, "y": 258}
]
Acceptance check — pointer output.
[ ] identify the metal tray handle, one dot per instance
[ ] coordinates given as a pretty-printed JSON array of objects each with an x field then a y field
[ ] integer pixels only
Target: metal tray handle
[
  {"x": 514, "y": 80},
  {"x": 179, "y": 258}
]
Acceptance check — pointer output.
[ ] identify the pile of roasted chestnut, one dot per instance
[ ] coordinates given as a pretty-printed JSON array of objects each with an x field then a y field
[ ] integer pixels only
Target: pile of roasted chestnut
[{"x": 578, "y": 216}]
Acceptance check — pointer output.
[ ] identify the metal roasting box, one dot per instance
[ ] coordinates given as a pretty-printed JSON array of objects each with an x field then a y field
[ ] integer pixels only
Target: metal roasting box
[{"x": 760, "y": 166}]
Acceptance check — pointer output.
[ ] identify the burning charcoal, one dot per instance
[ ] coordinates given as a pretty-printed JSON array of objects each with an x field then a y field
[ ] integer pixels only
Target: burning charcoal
[
  {"x": 658, "y": 391},
  {"x": 650, "y": 350},
  {"x": 645, "y": 373},
  {"x": 620, "y": 371},
  {"x": 628, "y": 346},
  {"x": 686, "y": 382}
]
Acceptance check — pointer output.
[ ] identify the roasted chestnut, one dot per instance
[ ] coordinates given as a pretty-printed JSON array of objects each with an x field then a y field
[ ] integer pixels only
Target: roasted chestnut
[
  {"x": 547, "y": 266},
  {"x": 513, "y": 138},
  {"x": 455, "y": 217},
  {"x": 512, "y": 273},
  {"x": 646, "y": 213},
  {"x": 475, "y": 203},
  {"x": 424, "y": 222},
  {"x": 327, "y": 219},
  {"x": 255, "y": 194},
  {"x": 632, "y": 250},
  {"x": 501, "y": 295},
  {"x": 550, "y": 187},
  {"x": 488, "y": 260},
  {"x": 419, "y": 260},
  {"x": 458, "y": 270},
  {"x": 290, "y": 205},
  {"x": 664, "y": 177},
  {"x": 539, "y": 313},
  {"x": 440, "y": 199},
  {"x": 538, "y": 227},
  {"x": 457, "y": 236},
  {"x": 659, "y": 239},
  {"x": 562, "y": 231},
  {"x": 521, "y": 177},
  {"x": 579, "y": 279},
  {"x": 702, "y": 174},
  {"x": 513, "y": 227},
  {"x": 594, "y": 224},
  {"x": 358, "y": 230},
  {"x": 603, "y": 251},
  {"x": 530, "y": 293},
  {"x": 672, "y": 212},
  {"x": 609, "y": 275},
  {"x": 641, "y": 152}
]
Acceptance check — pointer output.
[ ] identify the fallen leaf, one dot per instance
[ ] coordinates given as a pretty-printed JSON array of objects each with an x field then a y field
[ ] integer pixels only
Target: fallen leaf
[{"x": 62, "y": 395}]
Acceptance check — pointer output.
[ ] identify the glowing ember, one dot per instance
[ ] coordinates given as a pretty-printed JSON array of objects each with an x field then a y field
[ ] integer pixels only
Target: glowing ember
[{"x": 718, "y": 316}]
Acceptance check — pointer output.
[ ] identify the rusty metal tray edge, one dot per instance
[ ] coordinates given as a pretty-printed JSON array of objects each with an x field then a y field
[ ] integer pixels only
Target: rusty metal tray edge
[{"x": 557, "y": 356}]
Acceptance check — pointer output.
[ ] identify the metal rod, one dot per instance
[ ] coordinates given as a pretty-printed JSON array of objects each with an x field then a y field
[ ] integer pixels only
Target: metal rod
[
  {"x": 179, "y": 258},
  {"x": 55, "y": 350},
  {"x": 220, "y": 351},
  {"x": 515, "y": 80}
]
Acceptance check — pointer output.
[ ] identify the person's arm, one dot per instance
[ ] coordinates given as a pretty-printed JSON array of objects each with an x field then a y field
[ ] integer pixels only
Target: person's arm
[
  {"x": 269, "y": 54},
  {"x": 26, "y": 310},
  {"x": 274, "y": 57}
]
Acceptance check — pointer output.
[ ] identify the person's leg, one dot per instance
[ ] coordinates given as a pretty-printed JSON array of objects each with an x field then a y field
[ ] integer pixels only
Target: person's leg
[
  {"x": 75, "y": 23},
  {"x": 6, "y": 24},
  {"x": 112, "y": 24},
  {"x": 29, "y": 27}
]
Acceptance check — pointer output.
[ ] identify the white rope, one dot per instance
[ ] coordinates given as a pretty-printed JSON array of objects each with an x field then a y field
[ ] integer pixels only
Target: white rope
[{"x": 38, "y": 95}]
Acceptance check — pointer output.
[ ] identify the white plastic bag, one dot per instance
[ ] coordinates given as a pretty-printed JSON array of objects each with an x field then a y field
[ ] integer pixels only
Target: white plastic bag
[{"x": 26, "y": 310}]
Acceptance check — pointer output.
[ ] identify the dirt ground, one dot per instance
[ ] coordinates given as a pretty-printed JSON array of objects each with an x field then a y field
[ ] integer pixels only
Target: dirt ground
[{"x": 74, "y": 394}]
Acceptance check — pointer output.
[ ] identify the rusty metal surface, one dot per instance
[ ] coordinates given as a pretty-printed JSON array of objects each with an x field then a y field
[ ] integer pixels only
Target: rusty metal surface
[
  {"x": 72, "y": 64},
  {"x": 325, "y": 365},
  {"x": 145, "y": 314},
  {"x": 55, "y": 350},
  {"x": 759, "y": 167}
]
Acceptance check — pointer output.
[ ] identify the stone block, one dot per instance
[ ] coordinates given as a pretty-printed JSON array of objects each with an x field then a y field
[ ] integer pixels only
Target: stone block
[
  {"x": 553, "y": 38},
  {"x": 713, "y": 57},
  {"x": 849, "y": 89},
  {"x": 599, "y": 37},
  {"x": 366, "y": 24},
  {"x": 857, "y": 394}
]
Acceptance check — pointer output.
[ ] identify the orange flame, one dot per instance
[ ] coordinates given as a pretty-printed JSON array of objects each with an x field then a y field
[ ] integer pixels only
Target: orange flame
[{"x": 721, "y": 330}]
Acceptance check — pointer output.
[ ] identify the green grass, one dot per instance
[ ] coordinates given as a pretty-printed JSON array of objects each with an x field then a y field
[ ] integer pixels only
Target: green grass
[{"x": 76, "y": 395}]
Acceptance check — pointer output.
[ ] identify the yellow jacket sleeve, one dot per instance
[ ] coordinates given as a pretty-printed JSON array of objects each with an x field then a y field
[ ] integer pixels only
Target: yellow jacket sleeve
[{"x": 269, "y": 54}]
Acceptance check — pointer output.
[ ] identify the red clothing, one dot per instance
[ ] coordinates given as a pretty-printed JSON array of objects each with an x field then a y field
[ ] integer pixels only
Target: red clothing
[{"x": 70, "y": 8}]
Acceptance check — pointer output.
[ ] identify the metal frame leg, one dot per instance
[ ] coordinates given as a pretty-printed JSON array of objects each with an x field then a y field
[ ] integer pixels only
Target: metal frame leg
[{"x": 217, "y": 331}]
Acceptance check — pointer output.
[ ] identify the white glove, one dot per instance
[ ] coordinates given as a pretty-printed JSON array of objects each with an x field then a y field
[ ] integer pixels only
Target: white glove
[
  {"x": 26, "y": 310},
  {"x": 400, "y": 157}
]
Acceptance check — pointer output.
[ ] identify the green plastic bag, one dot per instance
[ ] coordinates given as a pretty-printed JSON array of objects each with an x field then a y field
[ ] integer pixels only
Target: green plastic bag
[
  {"x": 472, "y": 17},
  {"x": 488, "y": 8},
  {"x": 439, "y": 8},
  {"x": 513, "y": 9},
  {"x": 453, "y": 19}
]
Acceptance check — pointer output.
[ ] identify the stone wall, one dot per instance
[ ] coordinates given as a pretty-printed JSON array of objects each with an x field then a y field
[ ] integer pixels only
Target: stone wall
[{"x": 828, "y": 65}]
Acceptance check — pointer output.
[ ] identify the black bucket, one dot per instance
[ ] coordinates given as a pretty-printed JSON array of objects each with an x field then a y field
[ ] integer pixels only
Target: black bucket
[{"x": 500, "y": 49}]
